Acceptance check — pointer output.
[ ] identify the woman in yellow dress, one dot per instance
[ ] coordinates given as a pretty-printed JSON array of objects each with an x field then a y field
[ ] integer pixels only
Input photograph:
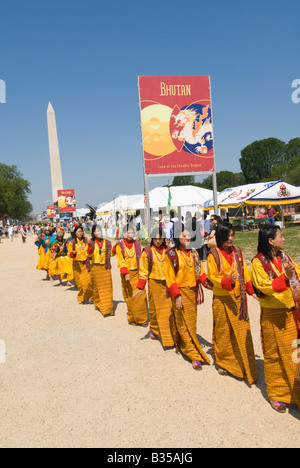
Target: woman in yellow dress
[
  {"x": 276, "y": 278},
  {"x": 129, "y": 254},
  {"x": 100, "y": 252},
  {"x": 43, "y": 243},
  {"x": 184, "y": 274},
  {"x": 233, "y": 348},
  {"x": 77, "y": 250},
  {"x": 152, "y": 270},
  {"x": 57, "y": 247}
]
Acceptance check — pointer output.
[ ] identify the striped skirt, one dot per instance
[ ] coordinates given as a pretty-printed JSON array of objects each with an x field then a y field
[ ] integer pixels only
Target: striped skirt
[
  {"x": 233, "y": 348},
  {"x": 185, "y": 332},
  {"x": 103, "y": 289},
  {"x": 137, "y": 308},
  {"x": 160, "y": 311},
  {"x": 83, "y": 281},
  {"x": 279, "y": 340},
  {"x": 44, "y": 260}
]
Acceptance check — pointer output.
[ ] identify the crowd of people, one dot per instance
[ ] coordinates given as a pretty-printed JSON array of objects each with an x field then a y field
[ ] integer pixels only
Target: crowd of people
[{"x": 171, "y": 265}]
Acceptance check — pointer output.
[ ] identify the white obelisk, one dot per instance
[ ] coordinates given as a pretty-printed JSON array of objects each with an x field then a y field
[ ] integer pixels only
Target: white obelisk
[{"x": 56, "y": 175}]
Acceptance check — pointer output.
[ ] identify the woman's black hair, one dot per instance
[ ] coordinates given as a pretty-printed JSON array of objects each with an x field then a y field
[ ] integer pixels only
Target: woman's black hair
[
  {"x": 222, "y": 233},
  {"x": 264, "y": 246},
  {"x": 96, "y": 226},
  {"x": 158, "y": 231}
]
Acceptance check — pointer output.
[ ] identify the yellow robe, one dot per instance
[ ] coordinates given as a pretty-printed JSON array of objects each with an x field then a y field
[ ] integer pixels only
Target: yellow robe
[
  {"x": 184, "y": 283},
  {"x": 137, "y": 307},
  {"x": 233, "y": 348},
  {"x": 160, "y": 306},
  {"x": 101, "y": 281},
  {"x": 82, "y": 276},
  {"x": 279, "y": 335}
]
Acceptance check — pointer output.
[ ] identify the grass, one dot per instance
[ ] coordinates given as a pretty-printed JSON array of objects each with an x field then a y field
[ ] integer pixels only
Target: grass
[{"x": 247, "y": 241}]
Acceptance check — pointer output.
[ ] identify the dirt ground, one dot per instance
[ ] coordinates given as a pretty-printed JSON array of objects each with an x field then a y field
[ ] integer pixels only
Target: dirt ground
[{"x": 75, "y": 379}]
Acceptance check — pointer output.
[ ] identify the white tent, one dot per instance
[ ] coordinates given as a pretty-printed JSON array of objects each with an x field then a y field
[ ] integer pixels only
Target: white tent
[
  {"x": 235, "y": 197},
  {"x": 122, "y": 203},
  {"x": 182, "y": 196},
  {"x": 280, "y": 193}
]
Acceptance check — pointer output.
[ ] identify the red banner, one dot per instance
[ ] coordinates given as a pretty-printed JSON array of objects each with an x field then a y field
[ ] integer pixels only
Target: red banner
[
  {"x": 176, "y": 119},
  {"x": 51, "y": 211},
  {"x": 66, "y": 201}
]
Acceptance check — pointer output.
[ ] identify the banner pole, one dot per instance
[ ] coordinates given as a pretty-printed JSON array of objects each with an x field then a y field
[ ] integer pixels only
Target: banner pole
[
  {"x": 215, "y": 185},
  {"x": 146, "y": 185}
]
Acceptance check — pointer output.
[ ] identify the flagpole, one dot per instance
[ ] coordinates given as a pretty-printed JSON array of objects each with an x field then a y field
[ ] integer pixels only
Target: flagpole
[{"x": 146, "y": 184}]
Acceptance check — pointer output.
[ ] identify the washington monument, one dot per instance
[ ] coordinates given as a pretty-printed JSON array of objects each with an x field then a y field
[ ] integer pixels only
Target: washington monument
[{"x": 56, "y": 175}]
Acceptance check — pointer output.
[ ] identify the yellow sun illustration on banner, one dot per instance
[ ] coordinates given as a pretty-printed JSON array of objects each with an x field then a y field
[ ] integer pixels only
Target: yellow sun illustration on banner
[{"x": 156, "y": 130}]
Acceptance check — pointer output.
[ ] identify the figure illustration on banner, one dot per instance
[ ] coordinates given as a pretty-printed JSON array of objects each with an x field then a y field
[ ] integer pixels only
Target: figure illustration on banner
[{"x": 191, "y": 129}]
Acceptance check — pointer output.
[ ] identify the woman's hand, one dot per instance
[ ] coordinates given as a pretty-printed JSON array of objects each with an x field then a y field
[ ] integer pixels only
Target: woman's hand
[
  {"x": 234, "y": 278},
  {"x": 289, "y": 270},
  {"x": 138, "y": 293},
  {"x": 179, "y": 303},
  {"x": 127, "y": 277}
]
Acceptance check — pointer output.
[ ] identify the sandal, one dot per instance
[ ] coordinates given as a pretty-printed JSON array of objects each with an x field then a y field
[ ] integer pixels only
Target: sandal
[
  {"x": 222, "y": 371},
  {"x": 278, "y": 406},
  {"x": 152, "y": 335},
  {"x": 197, "y": 365}
]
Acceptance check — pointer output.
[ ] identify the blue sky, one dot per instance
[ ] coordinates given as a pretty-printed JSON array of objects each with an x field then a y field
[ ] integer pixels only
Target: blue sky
[{"x": 85, "y": 57}]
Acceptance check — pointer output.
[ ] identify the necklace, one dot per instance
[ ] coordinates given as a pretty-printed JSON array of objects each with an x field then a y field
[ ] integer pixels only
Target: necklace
[
  {"x": 190, "y": 262},
  {"x": 129, "y": 252},
  {"x": 222, "y": 265},
  {"x": 160, "y": 257}
]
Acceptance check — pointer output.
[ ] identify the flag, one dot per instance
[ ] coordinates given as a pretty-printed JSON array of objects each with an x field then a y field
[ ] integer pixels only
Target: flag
[{"x": 169, "y": 199}]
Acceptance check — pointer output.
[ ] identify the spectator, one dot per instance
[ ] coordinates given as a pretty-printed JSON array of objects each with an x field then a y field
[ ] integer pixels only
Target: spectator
[{"x": 271, "y": 214}]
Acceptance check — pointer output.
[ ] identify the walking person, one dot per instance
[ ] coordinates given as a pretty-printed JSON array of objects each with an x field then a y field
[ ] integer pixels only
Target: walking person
[
  {"x": 233, "y": 348},
  {"x": 100, "y": 253},
  {"x": 77, "y": 250},
  {"x": 152, "y": 270},
  {"x": 184, "y": 275},
  {"x": 276, "y": 278},
  {"x": 129, "y": 254},
  {"x": 43, "y": 243}
]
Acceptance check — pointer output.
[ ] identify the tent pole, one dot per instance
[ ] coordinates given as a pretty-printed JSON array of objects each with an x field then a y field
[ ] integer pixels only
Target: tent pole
[{"x": 215, "y": 192}]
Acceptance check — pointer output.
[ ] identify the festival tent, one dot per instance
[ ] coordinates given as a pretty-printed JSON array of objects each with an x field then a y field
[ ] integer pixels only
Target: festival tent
[
  {"x": 121, "y": 203},
  {"x": 182, "y": 196},
  {"x": 280, "y": 193},
  {"x": 234, "y": 197}
]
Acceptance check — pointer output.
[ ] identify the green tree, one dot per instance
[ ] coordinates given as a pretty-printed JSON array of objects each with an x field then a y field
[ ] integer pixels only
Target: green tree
[
  {"x": 260, "y": 157},
  {"x": 225, "y": 179},
  {"x": 183, "y": 180},
  {"x": 14, "y": 190},
  {"x": 292, "y": 149},
  {"x": 293, "y": 175}
]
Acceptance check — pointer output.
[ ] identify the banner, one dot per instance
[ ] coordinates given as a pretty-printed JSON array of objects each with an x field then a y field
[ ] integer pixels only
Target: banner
[
  {"x": 66, "y": 201},
  {"x": 176, "y": 120},
  {"x": 51, "y": 211}
]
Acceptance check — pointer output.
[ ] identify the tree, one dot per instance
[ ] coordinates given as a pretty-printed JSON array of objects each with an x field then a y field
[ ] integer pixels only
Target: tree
[
  {"x": 260, "y": 157},
  {"x": 292, "y": 149},
  {"x": 14, "y": 190},
  {"x": 183, "y": 180},
  {"x": 225, "y": 179}
]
